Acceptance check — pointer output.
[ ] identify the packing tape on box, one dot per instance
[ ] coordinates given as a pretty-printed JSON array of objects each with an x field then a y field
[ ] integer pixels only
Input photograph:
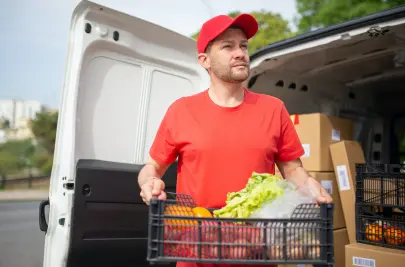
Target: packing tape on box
[{"x": 295, "y": 119}]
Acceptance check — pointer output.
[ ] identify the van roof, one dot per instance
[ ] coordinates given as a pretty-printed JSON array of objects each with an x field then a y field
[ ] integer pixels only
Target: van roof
[{"x": 379, "y": 17}]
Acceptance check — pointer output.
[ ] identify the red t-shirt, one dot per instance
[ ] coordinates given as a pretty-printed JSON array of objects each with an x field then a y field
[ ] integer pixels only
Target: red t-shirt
[{"x": 218, "y": 148}]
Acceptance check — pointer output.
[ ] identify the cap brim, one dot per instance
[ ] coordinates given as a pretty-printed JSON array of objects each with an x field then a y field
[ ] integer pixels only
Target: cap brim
[{"x": 247, "y": 23}]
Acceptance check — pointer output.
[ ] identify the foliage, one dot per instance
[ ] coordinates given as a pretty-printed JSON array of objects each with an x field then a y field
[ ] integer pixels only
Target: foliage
[
  {"x": 16, "y": 155},
  {"x": 4, "y": 124},
  {"x": 322, "y": 13},
  {"x": 8, "y": 162},
  {"x": 44, "y": 161},
  {"x": 46, "y": 168},
  {"x": 272, "y": 28},
  {"x": 44, "y": 129},
  {"x": 313, "y": 14}
]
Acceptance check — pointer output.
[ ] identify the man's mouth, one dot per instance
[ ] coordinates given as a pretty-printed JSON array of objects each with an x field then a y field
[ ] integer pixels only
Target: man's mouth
[{"x": 240, "y": 65}]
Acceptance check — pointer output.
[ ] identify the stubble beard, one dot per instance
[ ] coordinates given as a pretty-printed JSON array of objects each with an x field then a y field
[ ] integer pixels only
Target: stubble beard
[{"x": 230, "y": 75}]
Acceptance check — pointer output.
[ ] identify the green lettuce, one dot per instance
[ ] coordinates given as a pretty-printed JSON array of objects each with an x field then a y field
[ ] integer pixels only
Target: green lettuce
[{"x": 261, "y": 187}]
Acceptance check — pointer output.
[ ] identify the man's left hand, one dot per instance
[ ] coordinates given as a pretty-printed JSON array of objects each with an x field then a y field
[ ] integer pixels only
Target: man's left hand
[{"x": 321, "y": 195}]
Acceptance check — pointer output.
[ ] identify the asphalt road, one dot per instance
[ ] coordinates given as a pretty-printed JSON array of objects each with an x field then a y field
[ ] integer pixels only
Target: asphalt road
[{"x": 21, "y": 241}]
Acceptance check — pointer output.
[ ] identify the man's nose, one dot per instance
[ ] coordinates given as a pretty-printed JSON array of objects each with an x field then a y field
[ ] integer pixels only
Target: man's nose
[{"x": 239, "y": 53}]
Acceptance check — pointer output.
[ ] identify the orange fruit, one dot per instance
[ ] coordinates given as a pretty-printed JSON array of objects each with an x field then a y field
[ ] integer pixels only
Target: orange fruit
[
  {"x": 179, "y": 211},
  {"x": 394, "y": 236},
  {"x": 374, "y": 232},
  {"x": 201, "y": 212}
]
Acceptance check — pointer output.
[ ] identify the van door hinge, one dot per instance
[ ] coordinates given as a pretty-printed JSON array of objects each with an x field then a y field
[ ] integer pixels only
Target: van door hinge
[{"x": 376, "y": 31}]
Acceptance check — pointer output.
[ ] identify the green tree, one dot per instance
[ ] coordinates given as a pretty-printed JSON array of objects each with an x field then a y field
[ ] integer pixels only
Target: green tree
[
  {"x": 4, "y": 124},
  {"x": 44, "y": 129},
  {"x": 18, "y": 147},
  {"x": 16, "y": 155},
  {"x": 315, "y": 14},
  {"x": 272, "y": 28},
  {"x": 8, "y": 163}
]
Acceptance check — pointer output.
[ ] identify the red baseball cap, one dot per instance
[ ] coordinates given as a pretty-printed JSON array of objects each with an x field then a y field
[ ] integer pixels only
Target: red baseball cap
[{"x": 212, "y": 28}]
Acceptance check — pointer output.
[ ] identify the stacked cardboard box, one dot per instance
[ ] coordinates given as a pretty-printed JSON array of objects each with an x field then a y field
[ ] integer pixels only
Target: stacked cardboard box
[
  {"x": 345, "y": 156},
  {"x": 331, "y": 157},
  {"x": 317, "y": 132}
]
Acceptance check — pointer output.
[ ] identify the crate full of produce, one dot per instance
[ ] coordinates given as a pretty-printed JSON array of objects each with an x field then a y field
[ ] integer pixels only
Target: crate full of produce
[
  {"x": 380, "y": 205},
  {"x": 270, "y": 221}
]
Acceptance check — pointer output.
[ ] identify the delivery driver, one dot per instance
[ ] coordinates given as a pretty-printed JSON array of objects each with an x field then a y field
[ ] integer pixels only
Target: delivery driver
[{"x": 226, "y": 132}]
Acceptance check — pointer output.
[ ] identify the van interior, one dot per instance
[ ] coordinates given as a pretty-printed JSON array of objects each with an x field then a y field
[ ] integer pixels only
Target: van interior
[{"x": 359, "y": 78}]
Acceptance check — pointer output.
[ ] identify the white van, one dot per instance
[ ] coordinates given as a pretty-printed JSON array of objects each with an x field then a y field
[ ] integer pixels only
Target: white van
[{"x": 121, "y": 75}]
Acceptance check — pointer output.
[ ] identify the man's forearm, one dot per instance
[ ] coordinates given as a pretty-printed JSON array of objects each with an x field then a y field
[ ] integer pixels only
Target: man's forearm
[
  {"x": 299, "y": 176},
  {"x": 152, "y": 169},
  {"x": 294, "y": 171}
]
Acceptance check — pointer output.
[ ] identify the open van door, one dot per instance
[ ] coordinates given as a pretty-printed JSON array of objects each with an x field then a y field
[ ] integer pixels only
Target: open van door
[{"x": 122, "y": 73}]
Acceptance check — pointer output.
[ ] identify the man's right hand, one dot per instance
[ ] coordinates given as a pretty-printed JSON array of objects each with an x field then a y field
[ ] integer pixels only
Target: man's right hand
[{"x": 153, "y": 187}]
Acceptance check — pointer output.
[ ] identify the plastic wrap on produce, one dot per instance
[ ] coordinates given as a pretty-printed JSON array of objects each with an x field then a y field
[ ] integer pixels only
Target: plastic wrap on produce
[
  {"x": 283, "y": 206},
  {"x": 300, "y": 238}
]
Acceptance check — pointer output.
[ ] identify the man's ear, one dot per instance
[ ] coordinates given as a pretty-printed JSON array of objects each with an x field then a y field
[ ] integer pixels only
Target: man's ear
[{"x": 204, "y": 60}]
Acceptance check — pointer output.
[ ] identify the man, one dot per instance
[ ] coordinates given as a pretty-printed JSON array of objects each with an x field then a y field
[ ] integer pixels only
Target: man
[{"x": 223, "y": 134}]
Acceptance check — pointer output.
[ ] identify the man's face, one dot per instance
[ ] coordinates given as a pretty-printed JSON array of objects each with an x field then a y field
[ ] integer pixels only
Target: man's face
[{"x": 228, "y": 57}]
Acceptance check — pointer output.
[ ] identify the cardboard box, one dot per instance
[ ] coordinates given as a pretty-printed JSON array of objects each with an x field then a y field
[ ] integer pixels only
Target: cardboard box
[
  {"x": 345, "y": 155},
  {"x": 316, "y": 132},
  {"x": 373, "y": 256},
  {"x": 340, "y": 241},
  {"x": 328, "y": 181}
]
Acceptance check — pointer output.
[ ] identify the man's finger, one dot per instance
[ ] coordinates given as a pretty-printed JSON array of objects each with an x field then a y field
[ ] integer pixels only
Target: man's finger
[
  {"x": 326, "y": 195},
  {"x": 147, "y": 192},
  {"x": 321, "y": 200},
  {"x": 157, "y": 187},
  {"x": 162, "y": 196},
  {"x": 329, "y": 199}
]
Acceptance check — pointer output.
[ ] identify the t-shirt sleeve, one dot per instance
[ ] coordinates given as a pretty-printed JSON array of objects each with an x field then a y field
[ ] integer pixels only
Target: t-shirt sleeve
[
  {"x": 289, "y": 145},
  {"x": 163, "y": 148}
]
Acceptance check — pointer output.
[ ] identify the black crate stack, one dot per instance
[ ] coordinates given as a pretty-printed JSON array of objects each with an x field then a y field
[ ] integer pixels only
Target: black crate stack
[{"x": 380, "y": 205}]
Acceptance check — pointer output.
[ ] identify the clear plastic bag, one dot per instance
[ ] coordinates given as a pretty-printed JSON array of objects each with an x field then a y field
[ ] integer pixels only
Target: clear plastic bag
[
  {"x": 283, "y": 206},
  {"x": 301, "y": 237}
]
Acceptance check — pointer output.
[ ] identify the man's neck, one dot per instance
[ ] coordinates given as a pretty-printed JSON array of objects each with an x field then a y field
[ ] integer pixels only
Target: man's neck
[{"x": 227, "y": 94}]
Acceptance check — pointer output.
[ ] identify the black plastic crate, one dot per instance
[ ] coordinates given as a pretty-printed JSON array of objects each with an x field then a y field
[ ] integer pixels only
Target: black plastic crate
[
  {"x": 175, "y": 235},
  {"x": 381, "y": 184},
  {"x": 380, "y": 226}
]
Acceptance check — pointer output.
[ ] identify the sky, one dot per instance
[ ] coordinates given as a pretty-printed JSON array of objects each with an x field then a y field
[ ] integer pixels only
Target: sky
[{"x": 35, "y": 35}]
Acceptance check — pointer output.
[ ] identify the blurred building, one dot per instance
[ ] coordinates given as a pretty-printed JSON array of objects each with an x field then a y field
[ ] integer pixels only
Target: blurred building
[
  {"x": 18, "y": 111},
  {"x": 21, "y": 131}
]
